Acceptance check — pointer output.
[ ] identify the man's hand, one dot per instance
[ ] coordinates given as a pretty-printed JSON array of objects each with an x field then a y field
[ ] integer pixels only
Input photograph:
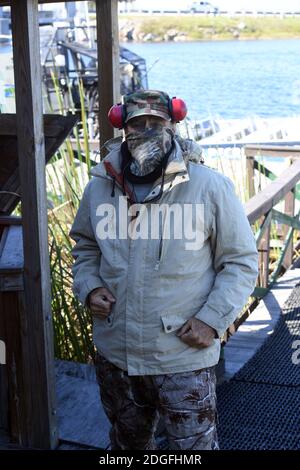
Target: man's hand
[
  {"x": 100, "y": 301},
  {"x": 197, "y": 334}
]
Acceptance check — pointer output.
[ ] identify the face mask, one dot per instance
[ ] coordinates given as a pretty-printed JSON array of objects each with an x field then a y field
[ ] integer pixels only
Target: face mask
[{"x": 148, "y": 148}]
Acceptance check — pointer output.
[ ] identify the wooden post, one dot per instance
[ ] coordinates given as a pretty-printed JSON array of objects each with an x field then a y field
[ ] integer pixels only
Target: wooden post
[
  {"x": 250, "y": 172},
  {"x": 289, "y": 208},
  {"x": 3, "y": 377},
  {"x": 264, "y": 255},
  {"x": 37, "y": 341},
  {"x": 108, "y": 64}
]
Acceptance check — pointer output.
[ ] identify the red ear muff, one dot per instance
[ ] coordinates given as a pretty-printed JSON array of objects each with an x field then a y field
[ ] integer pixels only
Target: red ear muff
[
  {"x": 178, "y": 109},
  {"x": 115, "y": 116},
  {"x": 117, "y": 113}
]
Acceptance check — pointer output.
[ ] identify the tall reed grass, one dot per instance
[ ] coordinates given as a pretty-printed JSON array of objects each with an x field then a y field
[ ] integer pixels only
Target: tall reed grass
[{"x": 66, "y": 178}]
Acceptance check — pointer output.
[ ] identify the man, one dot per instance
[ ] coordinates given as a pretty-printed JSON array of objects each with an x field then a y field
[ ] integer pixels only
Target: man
[{"x": 160, "y": 301}]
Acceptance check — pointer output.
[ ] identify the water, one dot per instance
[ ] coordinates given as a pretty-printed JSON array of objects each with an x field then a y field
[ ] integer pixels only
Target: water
[{"x": 233, "y": 79}]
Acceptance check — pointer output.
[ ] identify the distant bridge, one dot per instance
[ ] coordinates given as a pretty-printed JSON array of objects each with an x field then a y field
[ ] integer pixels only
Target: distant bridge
[{"x": 254, "y": 13}]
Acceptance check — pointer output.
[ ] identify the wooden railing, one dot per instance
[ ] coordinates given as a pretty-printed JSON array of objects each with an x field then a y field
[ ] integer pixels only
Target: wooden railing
[{"x": 261, "y": 209}]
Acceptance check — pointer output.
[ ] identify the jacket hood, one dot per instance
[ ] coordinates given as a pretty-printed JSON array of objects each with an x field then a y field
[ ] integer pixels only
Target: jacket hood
[{"x": 190, "y": 149}]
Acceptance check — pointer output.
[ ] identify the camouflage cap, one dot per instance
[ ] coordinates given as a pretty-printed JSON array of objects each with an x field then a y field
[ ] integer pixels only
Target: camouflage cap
[{"x": 153, "y": 102}]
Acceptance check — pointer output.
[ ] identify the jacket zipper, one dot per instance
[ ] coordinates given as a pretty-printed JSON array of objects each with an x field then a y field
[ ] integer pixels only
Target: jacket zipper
[
  {"x": 159, "y": 254},
  {"x": 161, "y": 244}
]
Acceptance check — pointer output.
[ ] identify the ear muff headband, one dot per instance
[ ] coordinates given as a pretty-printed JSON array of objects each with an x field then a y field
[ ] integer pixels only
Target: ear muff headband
[
  {"x": 117, "y": 113},
  {"x": 178, "y": 109}
]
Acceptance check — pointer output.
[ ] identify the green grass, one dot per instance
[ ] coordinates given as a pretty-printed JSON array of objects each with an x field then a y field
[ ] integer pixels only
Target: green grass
[{"x": 219, "y": 27}]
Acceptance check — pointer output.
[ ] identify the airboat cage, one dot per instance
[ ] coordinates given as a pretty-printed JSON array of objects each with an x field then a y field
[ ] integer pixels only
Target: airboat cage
[
  {"x": 72, "y": 56},
  {"x": 25, "y": 317}
]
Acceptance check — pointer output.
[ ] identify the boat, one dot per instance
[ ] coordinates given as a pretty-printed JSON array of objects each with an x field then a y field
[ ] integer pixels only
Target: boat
[{"x": 69, "y": 58}]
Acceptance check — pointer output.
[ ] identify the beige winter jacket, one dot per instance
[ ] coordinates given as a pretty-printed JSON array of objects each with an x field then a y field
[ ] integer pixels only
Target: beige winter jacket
[{"x": 157, "y": 282}]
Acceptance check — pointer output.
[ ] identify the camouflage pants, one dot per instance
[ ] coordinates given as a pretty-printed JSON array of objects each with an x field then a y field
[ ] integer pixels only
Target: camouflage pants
[{"x": 185, "y": 401}]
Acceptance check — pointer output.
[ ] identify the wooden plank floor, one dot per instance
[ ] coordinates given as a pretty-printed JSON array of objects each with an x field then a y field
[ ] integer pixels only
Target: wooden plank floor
[{"x": 81, "y": 418}]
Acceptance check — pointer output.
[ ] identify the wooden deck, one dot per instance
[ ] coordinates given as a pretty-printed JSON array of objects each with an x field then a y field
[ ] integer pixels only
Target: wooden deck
[{"x": 81, "y": 418}]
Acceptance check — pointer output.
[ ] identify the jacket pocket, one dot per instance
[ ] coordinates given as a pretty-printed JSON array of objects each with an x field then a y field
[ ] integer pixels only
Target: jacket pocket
[
  {"x": 177, "y": 315},
  {"x": 115, "y": 310},
  {"x": 110, "y": 318},
  {"x": 172, "y": 322}
]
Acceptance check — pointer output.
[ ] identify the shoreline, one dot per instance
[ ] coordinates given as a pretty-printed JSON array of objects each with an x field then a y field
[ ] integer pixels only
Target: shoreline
[
  {"x": 277, "y": 38},
  {"x": 142, "y": 28}
]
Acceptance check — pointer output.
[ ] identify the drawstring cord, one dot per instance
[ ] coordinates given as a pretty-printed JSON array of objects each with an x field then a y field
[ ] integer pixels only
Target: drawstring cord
[
  {"x": 123, "y": 179},
  {"x": 113, "y": 187},
  {"x": 123, "y": 187}
]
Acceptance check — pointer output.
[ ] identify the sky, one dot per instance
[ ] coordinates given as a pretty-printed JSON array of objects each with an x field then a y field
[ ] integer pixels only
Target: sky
[{"x": 271, "y": 5}]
